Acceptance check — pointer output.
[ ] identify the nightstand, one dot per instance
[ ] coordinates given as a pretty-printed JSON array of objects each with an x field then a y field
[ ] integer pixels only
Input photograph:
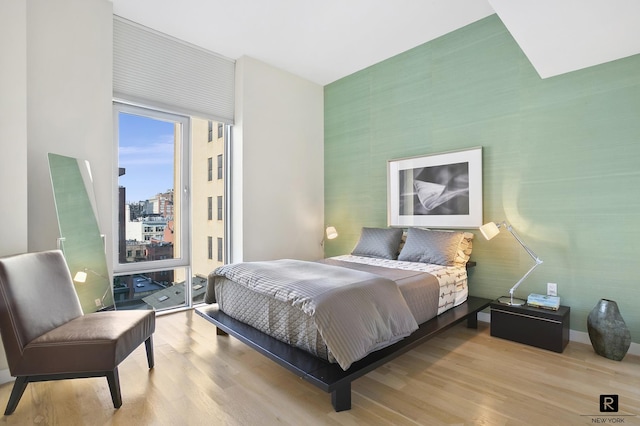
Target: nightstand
[{"x": 542, "y": 328}]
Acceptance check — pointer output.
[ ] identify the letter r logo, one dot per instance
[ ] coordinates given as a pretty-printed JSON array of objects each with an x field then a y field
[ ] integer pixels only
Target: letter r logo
[{"x": 608, "y": 403}]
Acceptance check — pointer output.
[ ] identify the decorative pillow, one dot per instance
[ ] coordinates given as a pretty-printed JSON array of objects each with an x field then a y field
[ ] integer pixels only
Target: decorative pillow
[
  {"x": 445, "y": 248},
  {"x": 402, "y": 241},
  {"x": 379, "y": 242},
  {"x": 464, "y": 250}
]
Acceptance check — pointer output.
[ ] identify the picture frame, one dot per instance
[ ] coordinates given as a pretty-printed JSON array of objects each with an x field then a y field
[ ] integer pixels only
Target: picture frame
[{"x": 441, "y": 190}]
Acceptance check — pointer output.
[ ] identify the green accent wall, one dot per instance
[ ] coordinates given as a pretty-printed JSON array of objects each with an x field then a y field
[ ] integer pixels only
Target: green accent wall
[{"x": 561, "y": 160}]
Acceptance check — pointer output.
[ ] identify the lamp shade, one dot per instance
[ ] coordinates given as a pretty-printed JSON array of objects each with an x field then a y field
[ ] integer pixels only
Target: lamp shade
[
  {"x": 489, "y": 230},
  {"x": 331, "y": 233}
]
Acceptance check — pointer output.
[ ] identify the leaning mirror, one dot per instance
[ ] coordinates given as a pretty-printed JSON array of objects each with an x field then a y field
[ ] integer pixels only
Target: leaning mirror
[{"x": 80, "y": 237}]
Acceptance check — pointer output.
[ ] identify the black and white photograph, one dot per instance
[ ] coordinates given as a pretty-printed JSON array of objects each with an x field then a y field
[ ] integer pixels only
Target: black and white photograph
[{"x": 436, "y": 190}]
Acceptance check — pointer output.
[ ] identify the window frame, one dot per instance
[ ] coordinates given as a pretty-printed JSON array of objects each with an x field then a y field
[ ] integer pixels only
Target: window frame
[{"x": 183, "y": 181}]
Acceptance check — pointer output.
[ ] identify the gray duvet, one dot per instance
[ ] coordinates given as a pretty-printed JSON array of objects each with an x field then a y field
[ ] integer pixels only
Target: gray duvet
[
  {"x": 420, "y": 290},
  {"x": 353, "y": 312}
]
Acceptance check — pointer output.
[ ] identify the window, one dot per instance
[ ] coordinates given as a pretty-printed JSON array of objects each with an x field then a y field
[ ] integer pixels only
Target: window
[
  {"x": 153, "y": 153},
  {"x": 210, "y": 132},
  {"x": 157, "y": 194},
  {"x": 220, "y": 130}
]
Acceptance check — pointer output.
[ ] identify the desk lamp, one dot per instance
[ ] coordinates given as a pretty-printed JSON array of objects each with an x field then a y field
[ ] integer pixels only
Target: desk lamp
[
  {"x": 330, "y": 234},
  {"x": 490, "y": 230}
]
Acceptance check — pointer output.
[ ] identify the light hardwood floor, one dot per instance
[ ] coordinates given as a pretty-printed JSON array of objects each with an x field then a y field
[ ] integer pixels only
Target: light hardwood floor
[{"x": 462, "y": 377}]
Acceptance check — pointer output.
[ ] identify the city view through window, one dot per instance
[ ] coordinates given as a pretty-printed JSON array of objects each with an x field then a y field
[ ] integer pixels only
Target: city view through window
[{"x": 154, "y": 266}]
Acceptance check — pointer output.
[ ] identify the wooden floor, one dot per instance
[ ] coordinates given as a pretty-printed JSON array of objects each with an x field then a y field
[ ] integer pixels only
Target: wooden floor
[{"x": 462, "y": 377}]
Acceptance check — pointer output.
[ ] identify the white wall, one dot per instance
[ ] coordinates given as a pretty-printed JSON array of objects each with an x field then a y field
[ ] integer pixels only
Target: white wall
[
  {"x": 13, "y": 126},
  {"x": 278, "y": 149},
  {"x": 13, "y": 134},
  {"x": 69, "y": 86},
  {"x": 55, "y": 96}
]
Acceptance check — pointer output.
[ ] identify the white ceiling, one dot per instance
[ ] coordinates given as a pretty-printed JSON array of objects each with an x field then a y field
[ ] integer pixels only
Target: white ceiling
[
  {"x": 326, "y": 40},
  {"x": 559, "y": 36}
]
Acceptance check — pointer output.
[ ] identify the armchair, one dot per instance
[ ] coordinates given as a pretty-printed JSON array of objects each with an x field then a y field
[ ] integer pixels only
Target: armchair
[{"x": 46, "y": 336}]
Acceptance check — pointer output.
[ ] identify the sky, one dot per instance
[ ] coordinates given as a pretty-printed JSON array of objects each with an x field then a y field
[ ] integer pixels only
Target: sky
[{"x": 146, "y": 153}]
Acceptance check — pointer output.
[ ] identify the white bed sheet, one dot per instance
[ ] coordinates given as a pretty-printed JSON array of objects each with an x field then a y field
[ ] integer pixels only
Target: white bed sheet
[{"x": 452, "y": 279}]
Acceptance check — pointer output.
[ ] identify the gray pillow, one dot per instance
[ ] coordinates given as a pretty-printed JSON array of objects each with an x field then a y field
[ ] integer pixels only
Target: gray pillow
[
  {"x": 426, "y": 246},
  {"x": 379, "y": 242}
]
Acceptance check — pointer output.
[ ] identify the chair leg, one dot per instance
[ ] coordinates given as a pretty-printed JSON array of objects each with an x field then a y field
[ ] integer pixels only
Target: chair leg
[
  {"x": 149, "y": 345},
  {"x": 16, "y": 393},
  {"x": 114, "y": 387}
]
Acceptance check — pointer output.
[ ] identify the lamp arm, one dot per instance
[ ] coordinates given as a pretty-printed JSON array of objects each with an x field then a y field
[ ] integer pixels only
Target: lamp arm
[
  {"x": 527, "y": 249},
  {"x": 489, "y": 230},
  {"x": 535, "y": 265},
  {"x": 109, "y": 287},
  {"x": 105, "y": 295}
]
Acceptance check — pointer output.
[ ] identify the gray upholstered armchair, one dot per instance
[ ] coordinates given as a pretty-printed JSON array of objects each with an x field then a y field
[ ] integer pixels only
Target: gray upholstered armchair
[{"x": 47, "y": 337}]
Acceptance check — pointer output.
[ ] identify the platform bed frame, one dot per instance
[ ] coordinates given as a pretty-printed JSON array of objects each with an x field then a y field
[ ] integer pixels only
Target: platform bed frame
[{"x": 330, "y": 377}]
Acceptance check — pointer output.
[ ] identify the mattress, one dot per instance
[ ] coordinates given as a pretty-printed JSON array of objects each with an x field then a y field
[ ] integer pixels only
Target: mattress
[{"x": 428, "y": 290}]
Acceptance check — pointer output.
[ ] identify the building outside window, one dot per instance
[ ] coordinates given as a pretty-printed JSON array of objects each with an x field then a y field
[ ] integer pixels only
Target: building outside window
[{"x": 204, "y": 257}]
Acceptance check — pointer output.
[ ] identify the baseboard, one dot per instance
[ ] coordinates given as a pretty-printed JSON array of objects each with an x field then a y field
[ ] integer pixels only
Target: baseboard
[
  {"x": 574, "y": 335},
  {"x": 583, "y": 337},
  {"x": 5, "y": 377},
  {"x": 484, "y": 316}
]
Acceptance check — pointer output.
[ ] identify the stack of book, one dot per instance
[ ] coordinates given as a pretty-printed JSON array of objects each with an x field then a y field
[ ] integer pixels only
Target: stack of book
[{"x": 544, "y": 301}]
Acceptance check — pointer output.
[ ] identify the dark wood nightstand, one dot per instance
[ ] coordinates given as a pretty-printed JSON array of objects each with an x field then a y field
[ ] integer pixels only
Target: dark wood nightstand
[{"x": 542, "y": 328}]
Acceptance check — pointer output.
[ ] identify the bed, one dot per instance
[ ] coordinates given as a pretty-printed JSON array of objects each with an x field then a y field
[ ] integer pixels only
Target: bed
[{"x": 333, "y": 320}]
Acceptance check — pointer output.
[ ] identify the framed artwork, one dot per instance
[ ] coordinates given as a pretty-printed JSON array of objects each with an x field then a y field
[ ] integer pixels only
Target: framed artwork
[{"x": 438, "y": 191}]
